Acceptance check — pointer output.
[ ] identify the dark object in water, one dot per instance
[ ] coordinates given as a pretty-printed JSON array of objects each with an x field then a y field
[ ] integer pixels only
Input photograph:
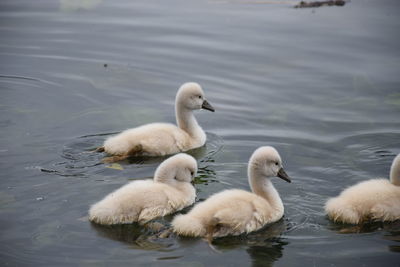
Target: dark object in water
[
  {"x": 99, "y": 149},
  {"x": 303, "y": 4},
  {"x": 47, "y": 170}
]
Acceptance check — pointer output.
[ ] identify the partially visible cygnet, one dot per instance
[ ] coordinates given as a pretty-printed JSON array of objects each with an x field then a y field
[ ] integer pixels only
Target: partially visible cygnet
[
  {"x": 233, "y": 212},
  {"x": 376, "y": 199},
  {"x": 159, "y": 139},
  {"x": 143, "y": 200}
]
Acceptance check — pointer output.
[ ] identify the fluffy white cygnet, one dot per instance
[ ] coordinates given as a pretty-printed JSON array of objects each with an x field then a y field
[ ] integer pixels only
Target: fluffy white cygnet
[
  {"x": 376, "y": 199},
  {"x": 159, "y": 139},
  {"x": 233, "y": 212},
  {"x": 143, "y": 200}
]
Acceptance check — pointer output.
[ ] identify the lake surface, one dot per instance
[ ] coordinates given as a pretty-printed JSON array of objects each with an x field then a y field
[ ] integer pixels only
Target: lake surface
[{"x": 321, "y": 85}]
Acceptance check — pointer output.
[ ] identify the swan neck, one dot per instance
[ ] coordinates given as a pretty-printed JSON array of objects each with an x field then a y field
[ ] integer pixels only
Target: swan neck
[
  {"x": 263, "y": 187},
  {"x": 186, "y": 121},
  {"x": 163, "y": 175},
  {"x": 395, "y": 171}
]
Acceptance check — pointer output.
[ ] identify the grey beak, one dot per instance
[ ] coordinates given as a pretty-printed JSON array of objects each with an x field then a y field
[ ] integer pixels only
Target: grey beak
[
  {"x": 207, "y": 106},
  {"x": 283, "y": 175}
]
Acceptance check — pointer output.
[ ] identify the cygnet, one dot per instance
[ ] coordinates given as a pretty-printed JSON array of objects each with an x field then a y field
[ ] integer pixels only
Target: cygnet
[
  {"x": 233, "y": 212},
  {"x": 376, "y": 200},
  {"x": 160, "y": 139},
  {"x": 143, "y": 200}
]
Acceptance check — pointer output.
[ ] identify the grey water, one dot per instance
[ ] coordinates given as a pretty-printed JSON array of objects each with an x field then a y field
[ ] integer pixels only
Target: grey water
[{"x": 321, "y": 85}]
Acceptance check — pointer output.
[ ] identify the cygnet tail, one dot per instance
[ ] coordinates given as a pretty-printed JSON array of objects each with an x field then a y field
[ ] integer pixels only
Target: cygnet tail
[
  {"x": 187, "y": 225},
  {"x": 99, "y": 149},
  {"x": 340, "y": 211},
  {"x": 101, "y": 215}
]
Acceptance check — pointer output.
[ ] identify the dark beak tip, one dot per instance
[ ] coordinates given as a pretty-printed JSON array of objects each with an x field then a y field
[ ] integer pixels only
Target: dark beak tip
[
  {"x": 283, "y": 175},
  {"x": 207, "y": 106}
]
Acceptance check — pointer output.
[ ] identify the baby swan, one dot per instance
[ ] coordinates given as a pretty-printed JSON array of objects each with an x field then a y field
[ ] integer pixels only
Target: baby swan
[
  {"x": 159, "y": 139},
  {"x": 143, "y": 200},
  {"x": 233, "y": 212},
  {"x": 376, "y": 199}
]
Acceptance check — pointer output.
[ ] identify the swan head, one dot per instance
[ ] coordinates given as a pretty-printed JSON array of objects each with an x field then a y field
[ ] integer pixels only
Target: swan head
[
  {"x": 191, "y": 96},
  {"x": 395, "y": 171},
  {"x": 178, "y": 168},
  {"x": 266, "y": 162}
]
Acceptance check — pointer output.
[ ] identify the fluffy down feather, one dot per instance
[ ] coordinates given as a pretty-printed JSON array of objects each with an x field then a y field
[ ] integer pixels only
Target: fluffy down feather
[
  {"x": 233, "y": 212},
  {"x": 144, "y": 200},
  {"x": 376, "y": 199},
  {"x": 159, "y": 139}
]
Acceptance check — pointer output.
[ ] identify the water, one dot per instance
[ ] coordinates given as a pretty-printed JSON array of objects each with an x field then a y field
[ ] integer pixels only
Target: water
[{"x": 321, "y": 85}]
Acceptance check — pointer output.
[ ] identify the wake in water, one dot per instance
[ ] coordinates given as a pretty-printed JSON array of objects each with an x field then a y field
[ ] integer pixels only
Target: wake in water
[{"x": 80, "y": 160}]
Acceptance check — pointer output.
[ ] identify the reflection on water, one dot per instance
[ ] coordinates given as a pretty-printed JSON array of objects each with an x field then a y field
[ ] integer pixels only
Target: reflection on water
[
  {"x": 393, "y": 228},
  {"x": 320, "y": 85},
  {"x": 264, "y": 246},
  {"x": 138, "y": 237},
  {"x": 267, "y": 254},
  {"x": 81, "y": 160},
  {"x": 265, "y": 236}
]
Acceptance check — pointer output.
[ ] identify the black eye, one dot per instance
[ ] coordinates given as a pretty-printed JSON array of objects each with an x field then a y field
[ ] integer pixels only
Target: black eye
[
  {"x": 191, "y": 173},
  {"x": 276, "y": 163},
  {"x": 199, "y": 96}
]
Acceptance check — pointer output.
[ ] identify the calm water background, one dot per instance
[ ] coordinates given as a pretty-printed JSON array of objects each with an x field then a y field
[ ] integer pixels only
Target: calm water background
[{"x": 321, "y": 85}]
